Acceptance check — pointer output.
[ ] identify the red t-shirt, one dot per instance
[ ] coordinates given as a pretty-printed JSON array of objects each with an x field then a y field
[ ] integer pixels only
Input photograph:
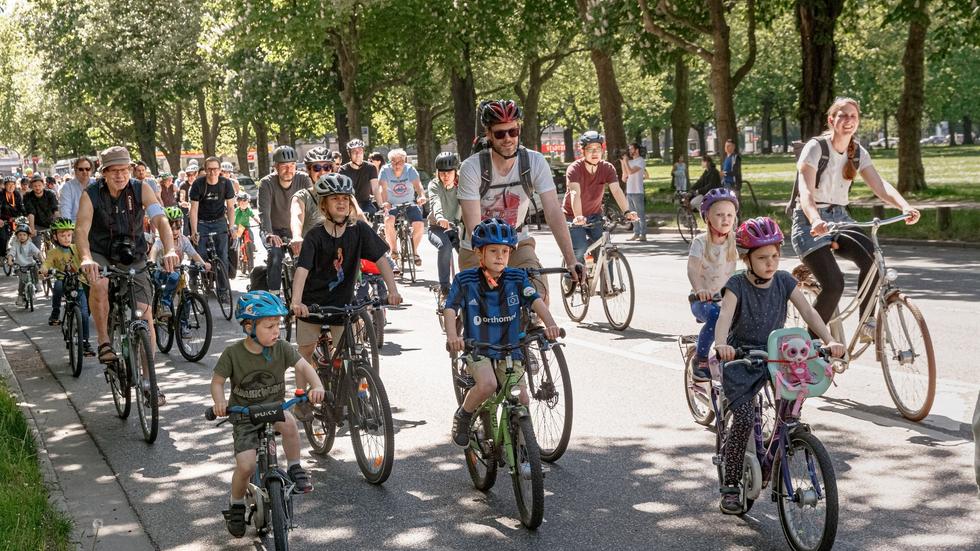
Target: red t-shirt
[{"x": 593, "y": 185}]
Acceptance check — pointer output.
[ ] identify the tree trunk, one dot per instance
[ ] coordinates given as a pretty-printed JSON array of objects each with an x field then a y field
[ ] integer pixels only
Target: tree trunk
[
  {"x": 424, "y": 136},
  {"x": 885, "y": 129},
  {"x": 283, "y": 137},
  {"x": 702, "y": 138},
  {"x": 340, "y": 112},
  {"x": 911, "y": 175},
  {"x": 680, "y": 118},
  {"x": 210, "y": 126},
  {"x": 654, "y": 141},
  {"x": 785, "y": 129},
  {"x": 568, "y": 137},
  {"x": 241, "y": 148},
  {"x": 172, "y": 135},
  {"x": 952, "y": 134},
  {"x": 145, "y": 125},
  {"x": 767, "y": 125},
  {"x": 261, "y": 147},
  {"x": 530, "y": 127},
  {"x": 967, "y": 131},
  {"x": 401, "y": 134},
  {"x": 721, "y": 83},
  {"x": 464, "y": 105},
  {"x": 817, "y": 22},
  {"x": 610, "y": 100}
]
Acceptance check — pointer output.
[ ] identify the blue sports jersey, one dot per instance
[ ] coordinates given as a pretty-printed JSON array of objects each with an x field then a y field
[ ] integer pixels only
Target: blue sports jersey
[{"x": 492, "y": 315}]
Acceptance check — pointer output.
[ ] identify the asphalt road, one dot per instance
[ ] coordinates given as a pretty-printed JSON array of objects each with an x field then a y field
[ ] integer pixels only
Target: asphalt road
[{"x": 638, "y": 473}]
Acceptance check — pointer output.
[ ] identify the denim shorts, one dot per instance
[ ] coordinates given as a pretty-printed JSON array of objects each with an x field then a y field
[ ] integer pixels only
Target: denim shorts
[
  {"x": 413, "y": 212},
  {"x": 803, "y": 242}
]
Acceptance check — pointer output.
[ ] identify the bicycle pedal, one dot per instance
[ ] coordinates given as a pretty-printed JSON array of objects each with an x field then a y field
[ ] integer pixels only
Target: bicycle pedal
[
  {"x": 716, "y": 460},
  {"x": 465, "y": 382}
]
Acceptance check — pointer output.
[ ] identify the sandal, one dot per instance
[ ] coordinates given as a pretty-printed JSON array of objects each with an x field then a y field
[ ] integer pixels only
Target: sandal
[{"x": 106, "y": 354}]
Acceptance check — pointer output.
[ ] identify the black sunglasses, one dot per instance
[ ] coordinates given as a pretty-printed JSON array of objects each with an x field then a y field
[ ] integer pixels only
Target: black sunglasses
[
  {"x": 316, "y": 167},
  {"x": 512, "y": 132},
  {"x": 83, "y": 169}
]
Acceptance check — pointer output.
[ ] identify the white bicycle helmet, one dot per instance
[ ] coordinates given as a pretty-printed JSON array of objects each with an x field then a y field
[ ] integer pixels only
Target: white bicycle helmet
[{"x": 333, "y": 184}]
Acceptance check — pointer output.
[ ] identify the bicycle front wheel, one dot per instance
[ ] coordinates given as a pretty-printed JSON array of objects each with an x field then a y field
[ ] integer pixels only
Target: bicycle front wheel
[
  {"x": 280, "y": 520},
  {"x": 74, "y": 321},
  {"x": 192, "y": 326},
  {"x": 224, "y": 298},
  {"x": 550, "y": 387},
  {"x": 141, "y": 361},
  {"x": 618, "y": 293},
  {"x": 575, "y": 298},
  {"x": 163, "y": 328},
  {"x": 808, "y": 509},
  {"x": 481, "y": 454},
  {"x": 118, "y": 374},
  {"x": 408, "y": 257},
  {"x": 527, "y": 474},
  {"x": 907, "y": 359},
  {"x": 372, "y": 430}
]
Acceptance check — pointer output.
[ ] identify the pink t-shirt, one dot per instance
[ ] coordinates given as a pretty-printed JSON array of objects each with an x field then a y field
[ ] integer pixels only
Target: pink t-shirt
[{"x": 593, "y": 185}]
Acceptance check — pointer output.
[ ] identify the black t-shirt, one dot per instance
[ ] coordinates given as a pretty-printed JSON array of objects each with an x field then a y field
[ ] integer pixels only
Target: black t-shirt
[
  {"x": 333, "y": 262},
  {"x": 212, "y": 198},
  {"x": 42, "y": 207},
  {"x": 362, "y": 179}
]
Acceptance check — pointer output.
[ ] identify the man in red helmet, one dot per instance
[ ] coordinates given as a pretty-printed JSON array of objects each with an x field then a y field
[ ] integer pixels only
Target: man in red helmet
[{"x": 500, "y": 182}]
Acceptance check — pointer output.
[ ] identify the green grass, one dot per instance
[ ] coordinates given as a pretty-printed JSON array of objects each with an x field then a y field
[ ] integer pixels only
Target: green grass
[{"x": 27, "y": 520}]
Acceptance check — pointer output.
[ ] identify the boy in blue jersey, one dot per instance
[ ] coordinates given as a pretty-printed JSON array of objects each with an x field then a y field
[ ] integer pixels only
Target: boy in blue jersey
[{"x": 490, "y": 299}]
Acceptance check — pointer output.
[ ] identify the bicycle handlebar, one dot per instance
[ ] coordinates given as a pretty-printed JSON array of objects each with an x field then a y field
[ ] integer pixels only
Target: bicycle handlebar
[
  {"x": 113, "y": 272},
  {"x": 469, "y": 345},
  {"x": 244, "y": 410},
  {"x": 838, "y": 226},
  {"x": 317, "y": 310}
]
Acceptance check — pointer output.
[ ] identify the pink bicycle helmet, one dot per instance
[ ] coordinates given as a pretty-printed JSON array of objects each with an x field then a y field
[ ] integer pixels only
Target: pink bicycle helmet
[
  {"x": 715, "y": 195},
  {"x": 758, "y": 232}
]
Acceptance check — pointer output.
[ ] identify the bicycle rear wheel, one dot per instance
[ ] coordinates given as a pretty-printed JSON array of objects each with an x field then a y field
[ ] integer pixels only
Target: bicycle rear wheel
[
  {"x": 481, "y": 454},
  {"x": 192, "y": 326},
  {"x": 698, "y": 400},
  {"x": 225, "y": 299},
  {"x": 147, "y": 391},
  {"x": 527, "y": 474},
  {"x": 575, "y": 298},
  {"x": 118, "y": 375},
  {"x": 73, "y": 329},
  {"x": 618, "y": 292},
  {"x": 550, "y": 406},
  {"x": 29, "y": 292},
  {"x": 904, "y": 349},
  {"x": 808, "y": 512},
  {"x": 372, "y": 429},
  {"x": 280, "y": 520},
  {"x": 686, "y": 225}
]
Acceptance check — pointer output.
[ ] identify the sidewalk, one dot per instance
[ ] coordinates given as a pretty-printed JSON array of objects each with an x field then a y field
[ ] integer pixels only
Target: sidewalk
[{"x": 79, "y": 480}]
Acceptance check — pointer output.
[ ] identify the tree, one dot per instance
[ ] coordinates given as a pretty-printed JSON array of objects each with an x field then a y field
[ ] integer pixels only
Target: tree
[{"x": 817, "y": 22}]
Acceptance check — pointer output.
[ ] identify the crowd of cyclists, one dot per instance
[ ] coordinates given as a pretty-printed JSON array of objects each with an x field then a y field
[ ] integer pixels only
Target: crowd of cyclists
[{"x": 327, "y": 219}]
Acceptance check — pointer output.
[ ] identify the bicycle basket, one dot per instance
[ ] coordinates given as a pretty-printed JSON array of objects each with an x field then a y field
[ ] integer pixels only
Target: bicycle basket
[{"x": 816, "y": 365}]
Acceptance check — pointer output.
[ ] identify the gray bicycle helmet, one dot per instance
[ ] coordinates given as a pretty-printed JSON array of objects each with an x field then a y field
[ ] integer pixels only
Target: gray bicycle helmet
[
  {"x": 591, "y": 137},
  {"x": 318, "y": 154},
  {"x": 284, "y": 154},
  {"x": 446, "y": 161},
  {"x": 354, "y": 144},
  {"x": 227, "y": 167},
  {"x": 333, "y": 184}
]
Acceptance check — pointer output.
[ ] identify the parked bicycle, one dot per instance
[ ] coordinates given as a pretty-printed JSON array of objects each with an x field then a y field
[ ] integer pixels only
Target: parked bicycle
[
  {"x": 609, "y": 277},
  {"x": 71, "y": 318},
  {"x": 187, "y": 319},
  {"x": 902, "y": 343},
  {"x": 269, "y": 495},
  {"x": 686, "y": 217}
]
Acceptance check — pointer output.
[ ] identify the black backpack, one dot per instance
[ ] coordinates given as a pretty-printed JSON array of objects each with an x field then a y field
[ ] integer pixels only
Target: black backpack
[
  {"x": 824, "y": 142},
  {"x": 524, "y": 170}
]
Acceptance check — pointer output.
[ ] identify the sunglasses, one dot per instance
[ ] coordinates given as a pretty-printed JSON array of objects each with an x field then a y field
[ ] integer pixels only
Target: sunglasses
[
  {"x": 512, "y": 132},
  {"x": 316, "y": 167},
  {"x": 88, "y": 169}
]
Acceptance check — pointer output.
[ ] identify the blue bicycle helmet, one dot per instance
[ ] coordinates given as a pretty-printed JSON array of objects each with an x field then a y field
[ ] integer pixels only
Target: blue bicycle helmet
[
  {"x": 493, "y": 231},
  {"x": 715, "y": 195},
  {"x": 259, "y": 304}
]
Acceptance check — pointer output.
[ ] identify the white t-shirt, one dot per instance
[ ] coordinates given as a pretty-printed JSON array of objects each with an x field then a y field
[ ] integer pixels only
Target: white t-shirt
[
  {"x": 634, "y": 182},
  {"x": 508, "y": 203},
  {"x": 718, "y": 262},
  {"x": 832, "y": 188},
  {"x": 182, "y": 246}
]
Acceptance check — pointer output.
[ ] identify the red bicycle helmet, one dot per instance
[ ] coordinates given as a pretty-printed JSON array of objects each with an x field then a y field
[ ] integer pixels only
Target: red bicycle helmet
[
  {"x": 758, "y": 232},
  {"x": 500, "y": 111}
]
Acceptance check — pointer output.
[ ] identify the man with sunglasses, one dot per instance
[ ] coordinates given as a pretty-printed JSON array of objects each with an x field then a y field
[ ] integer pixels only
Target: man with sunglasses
[
  {"x": 304, "y": 209},
  {"x": 499, "y": 182},
  {"x": 365, "y": 178},
  {"x": 275, "y": 194},
  {"x": 71, "y": 191}
]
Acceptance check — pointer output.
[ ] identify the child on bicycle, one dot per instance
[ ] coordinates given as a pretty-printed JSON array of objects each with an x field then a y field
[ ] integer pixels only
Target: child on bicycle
[
  {"x": 490, "y": 298},
  {"x": 22, "y": 252},
  {"x": 243, "y": 221},
  {"x": 63, "y": 256},
  {"x": 257, "y": 368},
  {"x": 754, "y": 305},
  {"x": 184, "y": 248},
  {"x": 710, "y": 262}
]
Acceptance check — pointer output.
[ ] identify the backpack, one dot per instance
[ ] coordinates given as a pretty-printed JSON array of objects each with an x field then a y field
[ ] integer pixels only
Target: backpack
[
  {"x": 523, "y": 168},
  {"x": 824, "y": 142}
]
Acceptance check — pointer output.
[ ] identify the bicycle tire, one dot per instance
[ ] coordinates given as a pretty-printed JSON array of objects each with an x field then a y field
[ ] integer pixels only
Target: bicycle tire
[
  {"x": 576, "y": 302},
  {"x": 364, "y": 336},
  {"x": 225, "y": 300},
  {"x": 119, "y": 378},
  {"x": 817, "y": 462},
  {"x": 73, "y": 322},
  {"x": 481, "y": 453},
  {"x": 199, "y": 313},
  {"x": 46, "y": 285},
  {"x": 895, "y": 375},
  {"x": 408, "y": 256},
  {"x": 378, "y": 318},
  {"x": 322, "y": 430},
  {"x": 7, "y": 268},
  {"x": 700, "y": 409},
  {"x": 29, "y": 292},
  {"x": 147, "y": 408},
  {"x": 286, "y": 330},
  {"x": 163, "y": 329},
  {"x": 617, "y": 267},
  {"x": 551, "y": 405},
  {"x": 366, "y": 417},
  {"x": 280, "y": 521},
  {"x": 528, "y": 480},
  {"x": 686, "y": 224}
]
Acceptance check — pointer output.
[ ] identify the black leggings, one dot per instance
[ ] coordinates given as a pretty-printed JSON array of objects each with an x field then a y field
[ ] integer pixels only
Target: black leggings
[{"x": 855, "y": 247}]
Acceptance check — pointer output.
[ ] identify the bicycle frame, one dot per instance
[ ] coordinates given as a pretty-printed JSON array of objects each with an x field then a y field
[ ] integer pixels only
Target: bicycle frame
[
  {"x": 341, "y": 381},
  {"x": 508, "y": 404}
]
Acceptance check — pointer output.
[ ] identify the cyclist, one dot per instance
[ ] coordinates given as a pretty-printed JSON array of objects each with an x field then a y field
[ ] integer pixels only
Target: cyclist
[
  {"x": 499, "y": 183},
  {"x": 11, "y": 206},
  {"x": 400, "y": 185},
  {"x": 587, "y": 180},
  {"x": 827, "y": 166},
  {"x": 275, "y": 193},
  {"x": 443, "y": 213},
  {"x": 364, "y": 175},
  {"x": 183, "y": 248},
  {"x": 377, "y": 159},
  {"x": 304, "y": 209},
  {"x": 22, "y": 252},
  {"x": 41, "y": 207},
  {"x": 489, "y": 299},
  {"x": 257, "y": 368},
  {"x": 62, "y": 256},
  {"x": 754, "y": 305},
  {"x": 142, "y": 173},
  {"x": 710, "y": 262},
  {"x": 168, "y": 191},
  {"x": 109, "y": 233},
  {"x": 709, "y": 180},
  {"x": 243, "y": 223},
  {"x": 228, "y": 171},
  {"x": 326, "y": 270},
  {"x": 213, "y": 211}
]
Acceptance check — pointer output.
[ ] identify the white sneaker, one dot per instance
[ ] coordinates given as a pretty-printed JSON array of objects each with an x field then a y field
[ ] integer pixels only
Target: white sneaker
[
  {"x": 633, "y": 238},
  {"x": 868, "y": 331}
]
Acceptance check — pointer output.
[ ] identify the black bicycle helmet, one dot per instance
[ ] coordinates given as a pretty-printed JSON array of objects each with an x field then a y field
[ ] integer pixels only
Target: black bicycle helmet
[
  {"x": 318, "y": 154},
  {"x": 591, "y": 137},
  {"x": 284, "y": 154},
  {"x": 333, "y": 184},
  {"x": 500, "y": 111},
  {"x": 446, "y": 161}
]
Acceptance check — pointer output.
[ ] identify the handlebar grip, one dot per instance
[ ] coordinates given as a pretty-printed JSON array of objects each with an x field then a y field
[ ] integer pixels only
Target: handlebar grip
[
  {"x": 209, "y": 414},
  {"x": 561, "y": 332}
]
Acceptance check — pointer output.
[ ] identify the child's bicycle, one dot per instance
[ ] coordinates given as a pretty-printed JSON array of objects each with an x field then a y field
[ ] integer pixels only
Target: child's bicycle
[
  {"x": 246, "y": 252},
  {"x": 71, "y": 318},
  {"x": 269, "y": 495},
  {"x": 902, "y": 343},
  {"x": 698, "y": 393},
  {"x": 787, "y": 454},
  {"x": 609, "y": 276},
  {"x": 509, "y": 441},
  {"x": 355, "y": 397},
  {"x": 28, "y": 282}
]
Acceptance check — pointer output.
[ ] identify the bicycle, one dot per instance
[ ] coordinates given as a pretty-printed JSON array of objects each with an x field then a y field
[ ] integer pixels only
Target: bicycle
[
  {"x": 898, "y": 349},
  {"x": 217, "y": 278},
  {"x": 46, "y": 244},
  {"x": 246, "y": 252},
  {"x": 129, "y": 333},
  {"x": 372, "y": 288},
  {"x": 511, "y": 441},
  {"x": 789, "y": 455},
  {"x": 687, "y": 222},
  {"x": 355, "y": 397},
  {"x": 269, "y": 495},
  {"x": 27, "y": 276},
  {"x": 697, "y": 392},
  {"x": 72, "y": 319},
  {"x": 609, "y": 276},
  {"x": 184, "y": 322},
  {"x": 403, "y": 235},
  {"x": 288, "y": 269},
  {"x": 436, "y": 290}
]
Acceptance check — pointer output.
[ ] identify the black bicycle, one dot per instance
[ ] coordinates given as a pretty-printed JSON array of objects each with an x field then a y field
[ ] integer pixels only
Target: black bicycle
[
  {"x": 355, "y": 397},
  {"x": 403, "y": 236},
  {"x": 217, "y": 277},
  {"x": 71, "y": 318},
  {"x": 371, "y": 287},
  {"x": 187, "y": 319}
]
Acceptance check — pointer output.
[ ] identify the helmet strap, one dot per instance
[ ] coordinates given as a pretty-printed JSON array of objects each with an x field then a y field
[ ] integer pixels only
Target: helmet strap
[
  {"x": 266, "y": 351},
  {"x": 716, "y": 233},
  {"x": 502, "y": 156},
  {"x": 590, "y": 164},
  {"x": 491, "y": 281}
]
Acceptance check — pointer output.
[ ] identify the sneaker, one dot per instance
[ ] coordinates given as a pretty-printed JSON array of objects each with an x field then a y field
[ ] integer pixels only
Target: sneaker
[
  {"x": 642, "y": 239},
  {"x": 461, "y": 427},
  {"x": 868, "y": 331},
  {"x": 730, "y": 503},
  {"x": 633, "y": 238},
  {"x": 20, "y": 301},
  {"x": 235, "y": 519},
  {"x": 301, "y": 479},
  {"x": 87, "y": 350},
  {"x": 701, "y": 373}
]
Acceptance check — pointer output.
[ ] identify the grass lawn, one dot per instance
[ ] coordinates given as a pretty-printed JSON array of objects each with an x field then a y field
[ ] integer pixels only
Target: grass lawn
[{"x": 27, "y": 520}]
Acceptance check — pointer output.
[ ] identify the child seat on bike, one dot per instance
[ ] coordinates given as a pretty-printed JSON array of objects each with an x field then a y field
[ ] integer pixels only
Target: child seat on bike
[{"x": 785, "y": 353}]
